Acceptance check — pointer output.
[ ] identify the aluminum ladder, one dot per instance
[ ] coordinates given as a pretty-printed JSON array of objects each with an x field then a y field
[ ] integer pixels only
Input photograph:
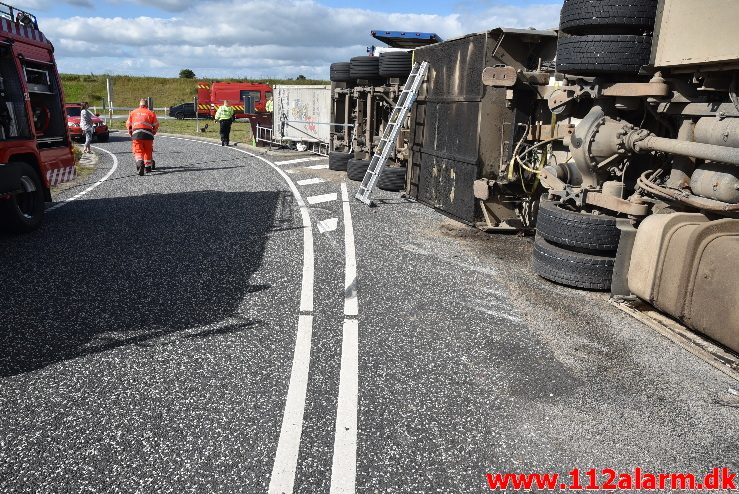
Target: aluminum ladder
[{"x": 389, "y": 137}]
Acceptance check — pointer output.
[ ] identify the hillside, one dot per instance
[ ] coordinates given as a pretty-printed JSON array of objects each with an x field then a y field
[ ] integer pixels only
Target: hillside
[{"x": 127, "y": 90}]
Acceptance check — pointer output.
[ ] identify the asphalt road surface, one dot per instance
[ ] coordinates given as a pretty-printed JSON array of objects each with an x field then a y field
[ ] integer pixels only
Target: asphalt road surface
[{"x": 230, "y": 325}]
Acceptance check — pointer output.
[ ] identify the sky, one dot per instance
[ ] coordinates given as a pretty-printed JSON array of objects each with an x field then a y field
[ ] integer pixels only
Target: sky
[{"x": 253, "y": 38}]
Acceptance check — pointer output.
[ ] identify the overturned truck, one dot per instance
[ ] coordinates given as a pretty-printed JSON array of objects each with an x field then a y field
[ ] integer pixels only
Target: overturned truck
[
  {"x": 647, "y": 203},
  {"x": 481, "y": 127}
]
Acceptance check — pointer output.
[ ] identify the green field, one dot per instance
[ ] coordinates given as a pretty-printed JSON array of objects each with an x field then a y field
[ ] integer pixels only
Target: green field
[
  {"x": 240, "y": 131},
  {"x": 127, "y": 90}
]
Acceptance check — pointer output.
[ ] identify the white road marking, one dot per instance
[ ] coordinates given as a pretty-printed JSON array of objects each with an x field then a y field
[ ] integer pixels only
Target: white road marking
[
  {"x": 344, "y": 465},
  {"x": 322, "y": 198},
  {"x": 311, "y": 181},
  {"x": 317, "y": 167},
  {"x": 282, "y": 479},
  {"x": 328, "y": 225},
  {"x": 93, "y": 186},
  {"x": 299, "y": 160},
  {"x": 293, "y": 170},
  {"x": 351, "y": 306}
]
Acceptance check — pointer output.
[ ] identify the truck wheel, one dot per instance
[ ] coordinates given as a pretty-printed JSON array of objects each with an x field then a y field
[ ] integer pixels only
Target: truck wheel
[
  {"x": 607, "y": 16},
  {"x": 364, "y": 68},
  {"x": 24, "y": 211},
  {"x": 575, "y": 269},
  {"x": 392, "y": 179},
  {"x": 577, "y": 230},
  {"x": 104, "y": 137},
  {"x": 337, "y": 161},
  {"x": 603, "y": 54},
  {"x": 395, "y": 64},
  {"x": 357, "y": 169},
  {"x": 339, "y": 72}
]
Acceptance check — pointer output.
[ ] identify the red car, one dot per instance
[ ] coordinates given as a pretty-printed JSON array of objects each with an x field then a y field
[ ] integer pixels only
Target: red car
[{"x": 100, "y": 129}]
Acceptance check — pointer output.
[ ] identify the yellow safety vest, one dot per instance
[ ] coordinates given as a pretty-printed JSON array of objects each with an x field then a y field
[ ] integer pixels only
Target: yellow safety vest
[{"x": 224, "y": 113}]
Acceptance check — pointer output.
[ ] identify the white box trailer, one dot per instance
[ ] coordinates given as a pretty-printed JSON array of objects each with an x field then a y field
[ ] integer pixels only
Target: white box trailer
[{"x": 302, "y": 114}]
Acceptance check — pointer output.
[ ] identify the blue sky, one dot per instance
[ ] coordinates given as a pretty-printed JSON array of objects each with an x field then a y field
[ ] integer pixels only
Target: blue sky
[{"x": 253, "y": 38}]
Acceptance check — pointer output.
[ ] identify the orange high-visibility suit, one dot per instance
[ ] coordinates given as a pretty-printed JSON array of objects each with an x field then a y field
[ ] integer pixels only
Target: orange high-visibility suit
[{"x": 142, "y": 125}]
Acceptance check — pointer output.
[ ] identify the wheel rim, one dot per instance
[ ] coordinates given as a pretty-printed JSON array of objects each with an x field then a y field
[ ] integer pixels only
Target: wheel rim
[{"x": 27, "y": 201}]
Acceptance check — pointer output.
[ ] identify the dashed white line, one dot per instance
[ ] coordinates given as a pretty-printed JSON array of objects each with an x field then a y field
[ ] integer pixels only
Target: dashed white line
[
  {"x": 93, "y": 186},
  {"x": 344, "y": 464},
  {"x": 322, "y": 198},
  {"x": 328, "y": 225},
  {"x": 298, "y": 160},
  {"x": 318, "y": 167},
  {"x": 311, "y": 181}
]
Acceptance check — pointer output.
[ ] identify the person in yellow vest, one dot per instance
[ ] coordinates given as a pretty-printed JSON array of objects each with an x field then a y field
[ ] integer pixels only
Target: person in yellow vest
[
  {"x": 270, "y": 105},
  {"x": 224, "y": 117}
]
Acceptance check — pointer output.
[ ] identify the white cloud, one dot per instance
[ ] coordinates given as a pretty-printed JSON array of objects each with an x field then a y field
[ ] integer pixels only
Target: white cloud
[{"x": 257, "y": 38}]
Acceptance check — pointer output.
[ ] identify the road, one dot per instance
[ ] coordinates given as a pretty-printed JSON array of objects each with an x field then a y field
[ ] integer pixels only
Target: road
[{"x": 185, "y": 332}]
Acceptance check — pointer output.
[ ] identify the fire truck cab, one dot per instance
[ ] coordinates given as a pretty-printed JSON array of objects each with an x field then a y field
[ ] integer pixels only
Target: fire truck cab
[
  {"x": 254, "y": 95},
  {"x": 35, "y": 148}
]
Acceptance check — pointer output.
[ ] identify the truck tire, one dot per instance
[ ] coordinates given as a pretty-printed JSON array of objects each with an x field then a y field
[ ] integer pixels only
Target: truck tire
[
  {"x": 356, "y": 169},
  {"x": 604, "y": 16},
  {"x": 337, "y": 161},
  {"x": 576, "y": 230},
  {"x": 364, "y": 68},
  {"x": 23, "y": 212},
  {"x": 602, "y": 54},
  {"x": 395, "y": 64},
  {"x": 392, "y": 179},
  {"x": 575, "y": 269},
  {"x": 339, "y": 72}
]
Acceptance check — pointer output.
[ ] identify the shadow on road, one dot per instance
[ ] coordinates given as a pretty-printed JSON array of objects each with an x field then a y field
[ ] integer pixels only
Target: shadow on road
[{"x": 109, "y": 272}]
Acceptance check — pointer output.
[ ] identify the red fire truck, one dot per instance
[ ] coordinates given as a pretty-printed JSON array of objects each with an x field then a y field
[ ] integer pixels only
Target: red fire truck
[
  {"x": 35, "y": 148},
  {"x": 212, "y": 94}
]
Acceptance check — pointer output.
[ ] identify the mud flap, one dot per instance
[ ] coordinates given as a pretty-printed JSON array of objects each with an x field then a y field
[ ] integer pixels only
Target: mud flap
[
  {"x": 10, "y": 178},
  {"x": 620, "y": 282}
]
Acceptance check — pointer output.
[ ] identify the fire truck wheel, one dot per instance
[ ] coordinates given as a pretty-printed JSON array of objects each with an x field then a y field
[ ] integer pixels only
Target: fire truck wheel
[
  {"x": 337, "y": 161},
  {"x": 574, "y": 229},
  {"x": 570, "y": 268},
  {"x": 104, "y": 137},
  {"x": 356, "y": 169},
  {"x": 392, "y": 179},
  {"x": 607, "y": 16},
  {"x": 23, "y": 212}
]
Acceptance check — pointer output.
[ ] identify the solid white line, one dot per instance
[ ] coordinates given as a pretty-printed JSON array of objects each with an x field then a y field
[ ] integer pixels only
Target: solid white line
[
  {"x": 286, "y": 459},
  {"x": 93, "y": 186},
  {"x": 317, "y": 167},
  {"x": 344, "y": 465},
  {"x": 298, "y": 160},
  {"x": 351, "y": 306},
  {"x": 311, "y": 181},
  {"x": 328, "y": 225},
  {"x": 282, "y": 478},
  {"x": 322, "y": 198}
]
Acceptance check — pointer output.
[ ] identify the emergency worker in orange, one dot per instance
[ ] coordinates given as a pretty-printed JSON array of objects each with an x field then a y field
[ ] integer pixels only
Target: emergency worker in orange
[{"x": 142, "y": 125}]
